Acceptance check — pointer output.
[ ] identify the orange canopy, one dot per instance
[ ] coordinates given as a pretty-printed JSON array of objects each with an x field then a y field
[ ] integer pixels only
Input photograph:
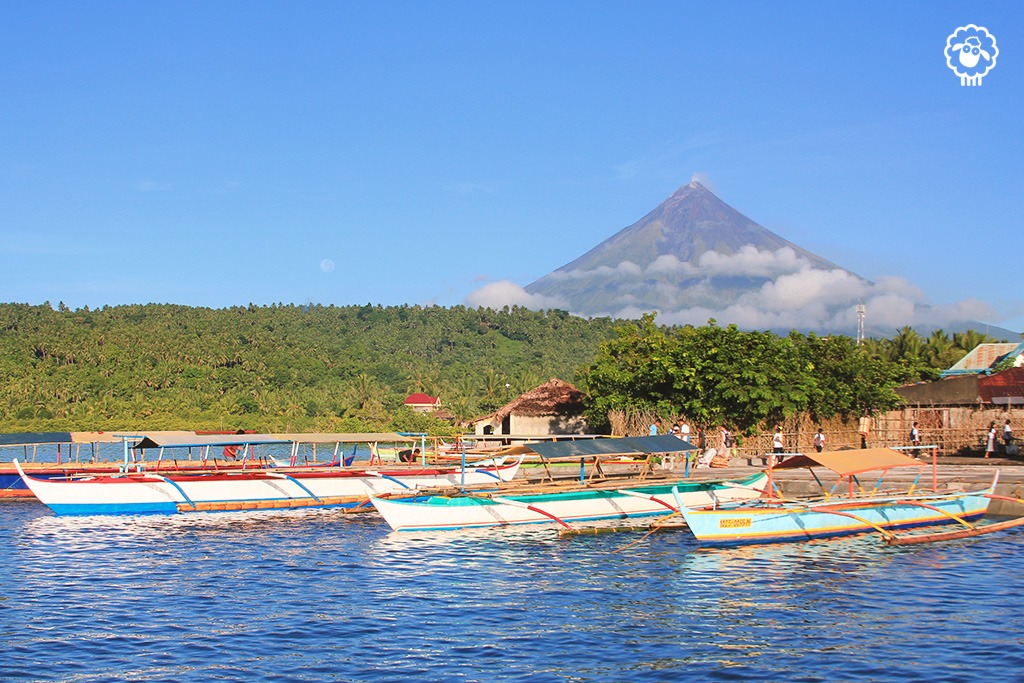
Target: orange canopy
[{"x": 845, "y": 463}]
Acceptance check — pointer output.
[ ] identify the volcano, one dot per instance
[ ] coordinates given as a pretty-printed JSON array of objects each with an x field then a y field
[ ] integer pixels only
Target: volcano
[
  {"x": 677, "y": 256},
  {"x": 694, "y": 258}
]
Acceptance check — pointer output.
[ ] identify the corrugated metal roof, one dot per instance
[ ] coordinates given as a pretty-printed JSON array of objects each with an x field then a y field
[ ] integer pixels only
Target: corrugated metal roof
[
  {"x": 984, "y": 356},
  {"x": 1006, "y": 387}
]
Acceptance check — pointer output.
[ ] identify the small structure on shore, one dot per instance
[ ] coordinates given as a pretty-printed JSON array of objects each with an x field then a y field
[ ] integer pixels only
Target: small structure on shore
[
  {"x": 555, "y": 407},
  {"x": 983, "y": 358},
  {"x": 422, "y": 403}
]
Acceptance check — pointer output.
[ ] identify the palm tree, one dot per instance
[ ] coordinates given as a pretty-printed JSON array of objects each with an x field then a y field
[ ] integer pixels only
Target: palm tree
[
  {"x": 969, "y": 340},
  {"x": 907, "y": 345},
  {"x": 939, "y": 350}
]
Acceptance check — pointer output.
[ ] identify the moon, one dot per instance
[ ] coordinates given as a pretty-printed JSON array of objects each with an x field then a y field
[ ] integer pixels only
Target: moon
[{"x": 327, "y": 265}]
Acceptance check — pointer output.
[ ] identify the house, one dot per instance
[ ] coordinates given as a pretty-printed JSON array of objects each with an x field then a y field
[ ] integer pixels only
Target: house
[
  {"x": 954, "y": 413},
  {"x": 983, "y": 357},
  {"x": 1004, "y": 388},
  {"x": 422, "y": 403},
  {"x": 555, "y": 407}
]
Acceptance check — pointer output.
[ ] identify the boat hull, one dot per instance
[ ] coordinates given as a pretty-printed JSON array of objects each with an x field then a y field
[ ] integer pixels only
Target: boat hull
[
  {"x": 829, "y": 519},
  {"x": 573, "y": 506},
  {"x": 148, "y": 493}
]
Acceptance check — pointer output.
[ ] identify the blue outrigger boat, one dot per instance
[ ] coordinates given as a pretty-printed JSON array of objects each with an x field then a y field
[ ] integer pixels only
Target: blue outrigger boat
[{"x": 842, "y": 513}]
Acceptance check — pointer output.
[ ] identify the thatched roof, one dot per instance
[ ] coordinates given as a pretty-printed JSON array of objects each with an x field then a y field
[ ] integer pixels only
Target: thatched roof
[{"x": 554, "y": 397}]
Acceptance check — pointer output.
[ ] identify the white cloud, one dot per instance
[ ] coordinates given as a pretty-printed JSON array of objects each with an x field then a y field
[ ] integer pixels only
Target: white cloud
[
  {"x": 810, "y": 287},
  {"x": 794, "y": 295},
  {"x": 626, "y": 268},
  {"x": 503, "y": 293},
  {"x": 668, "y": 264},
  {"x": 748, "y": 260}
]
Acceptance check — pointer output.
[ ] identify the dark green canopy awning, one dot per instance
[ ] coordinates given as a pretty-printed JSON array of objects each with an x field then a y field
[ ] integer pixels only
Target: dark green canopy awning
[
  {"x": 34, "y": 438},
  {"x": 202, "y": 440},
  {"x": 630, "y": 445}
]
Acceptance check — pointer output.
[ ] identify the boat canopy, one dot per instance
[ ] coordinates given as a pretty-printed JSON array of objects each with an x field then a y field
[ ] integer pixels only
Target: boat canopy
[
  {"x": 204, "y": 440},
  {"x": 387, "y": 437},
  {"x": 854, "y": 461},
  {"x": 34, "y": 438},
  {"x": 629, "y": 445}
]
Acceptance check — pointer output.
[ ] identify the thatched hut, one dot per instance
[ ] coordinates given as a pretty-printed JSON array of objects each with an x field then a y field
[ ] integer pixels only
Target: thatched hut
[{"x": 555, "y": 407}]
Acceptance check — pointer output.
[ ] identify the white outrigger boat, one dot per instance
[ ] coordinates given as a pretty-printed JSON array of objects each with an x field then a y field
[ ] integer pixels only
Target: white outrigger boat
[
  {"x": 574, "y": 505},
  {"x": 150, "y": 492},
  {"x": 586, "y": 501}
]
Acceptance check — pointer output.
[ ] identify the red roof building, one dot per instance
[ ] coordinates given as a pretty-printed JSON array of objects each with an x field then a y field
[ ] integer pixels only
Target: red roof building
[{"x": 423, "y": 403}]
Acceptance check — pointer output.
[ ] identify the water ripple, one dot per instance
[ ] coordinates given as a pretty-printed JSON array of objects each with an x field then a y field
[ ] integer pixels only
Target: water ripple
[{"x": 317, "y": 595}]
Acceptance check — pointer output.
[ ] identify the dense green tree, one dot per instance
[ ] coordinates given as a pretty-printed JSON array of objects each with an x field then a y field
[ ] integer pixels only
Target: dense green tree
[
  {"x": 349, "y": 368},
  {"x": 745, "y": 380}
]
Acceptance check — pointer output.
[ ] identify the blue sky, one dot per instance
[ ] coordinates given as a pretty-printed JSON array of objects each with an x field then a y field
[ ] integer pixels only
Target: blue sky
[{"x": 222, "y": 153}]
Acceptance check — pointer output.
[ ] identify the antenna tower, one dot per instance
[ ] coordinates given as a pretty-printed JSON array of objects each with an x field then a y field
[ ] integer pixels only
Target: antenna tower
[{"x": 862, "y": 312}]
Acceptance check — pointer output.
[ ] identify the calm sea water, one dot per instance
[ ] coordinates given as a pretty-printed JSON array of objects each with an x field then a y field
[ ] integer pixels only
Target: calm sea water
[{"x": 318, "y": 596}]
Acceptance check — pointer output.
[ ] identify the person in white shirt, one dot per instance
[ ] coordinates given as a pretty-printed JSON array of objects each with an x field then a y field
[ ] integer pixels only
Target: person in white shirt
[
  {"x": 777, "y": 447},
  {"x": 684, "y": 431},
  {"x": 819, "y": 441}
]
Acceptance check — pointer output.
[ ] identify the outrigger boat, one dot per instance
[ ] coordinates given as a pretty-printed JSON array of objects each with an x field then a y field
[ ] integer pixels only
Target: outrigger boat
[
  {"x": 565, "y": 507},
  {"x": 71, "y": 461},
  {"x": 150, "y": 492},
  {"x": 594, "y": 498},
  {"x": 774, "y": 519}
]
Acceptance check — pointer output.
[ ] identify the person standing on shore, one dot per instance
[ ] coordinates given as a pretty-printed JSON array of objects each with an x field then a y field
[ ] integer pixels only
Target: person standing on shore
[
  {"x": 684, "y": 430},
  {"x": 915, "y": 436},
  {"x": 819, "y": 441},
  {"x": 1007, "y": 436},
  {"x": 777, "y": 446},
  {"x": 990, "y": 442},
  {"x": 655, "y": 428}
]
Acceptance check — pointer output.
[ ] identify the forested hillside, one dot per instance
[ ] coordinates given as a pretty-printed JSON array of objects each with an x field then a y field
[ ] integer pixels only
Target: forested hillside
[
  {"x": 328, "y": 368},
  {"x": 279, "y": 367}
]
